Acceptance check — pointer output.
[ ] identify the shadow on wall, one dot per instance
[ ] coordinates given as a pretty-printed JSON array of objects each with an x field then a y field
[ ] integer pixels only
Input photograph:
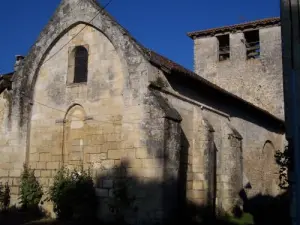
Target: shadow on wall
[
  {"x": 148, "y": 202},
  {"x": 156, "y": 201}
]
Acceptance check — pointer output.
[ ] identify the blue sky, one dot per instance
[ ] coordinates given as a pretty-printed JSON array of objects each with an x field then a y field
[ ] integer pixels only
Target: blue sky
[{"x": 159, "y": 24}]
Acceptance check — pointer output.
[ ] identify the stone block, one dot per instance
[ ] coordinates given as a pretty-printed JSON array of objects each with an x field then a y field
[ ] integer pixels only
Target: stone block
[
  {"x": 15, "y": 181},
  {"x": 114, "y": 145},
  {"x": 113, "y": 137},
  {"x": 148, "y": 163},
  {"x": 46, "y": 173},
  {"x": 107, "y": 183},
  {"x": 56, "y": 158},
  {"x": 3, "y": 173},
  {"x": 197, "y": 169},
  {"x": 189, "y": 185},
  {"x": 190, "y": 176},
  {"x": 44, "y": 157},
  {"x": 136, "y": 163},
  {"x": 195, "y": 194},
  {"x": 91, "y": 149},
  {"x": 129, "y": 153},
  {"x": 224, "y": 178},
  {"x": 198, "y": 176},
  {"x": 14, "y": 190},
  {"x": 118, "y": 162},
  {"x": 97, "y": 139},
  {"x": 77, "y": 142},
  {"x": 108, "y": 164},
  {"x": 7, "y": 166},
  {"x": 135, "y": 171},
  {"x": 198, "y": 185},
  {"x": 52, "y": 165},
  {"x": 98, "y": 157},
  {"x": 33, "y": 165},
  {"x": 87, "y": 158},
  {"x": 111, "y": 193},
  {"x": 141, "y": 153},
  {"x": 15, "y": 173},
  {"x": 75, "y": 156},
  {"x": 41, "y": 165},
  {"x": 34, "y": 157},
  {"x": 101, "y": 192},
  {"x": 150, "y": 172},
  {"x": 114, "y": 154}
]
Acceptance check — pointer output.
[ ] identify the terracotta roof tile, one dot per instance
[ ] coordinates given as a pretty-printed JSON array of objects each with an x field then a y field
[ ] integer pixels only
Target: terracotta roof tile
[{"x": 232, "y": 28}]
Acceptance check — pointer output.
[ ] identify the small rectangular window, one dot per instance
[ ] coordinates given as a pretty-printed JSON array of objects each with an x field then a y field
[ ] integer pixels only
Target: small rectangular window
[
  {"x": 252, "y": 44},
  {"x": 224, "y": 47}
]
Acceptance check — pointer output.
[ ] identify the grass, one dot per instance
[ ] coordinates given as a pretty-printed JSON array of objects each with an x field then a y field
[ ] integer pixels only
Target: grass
[{"x": 245, "y": 219}]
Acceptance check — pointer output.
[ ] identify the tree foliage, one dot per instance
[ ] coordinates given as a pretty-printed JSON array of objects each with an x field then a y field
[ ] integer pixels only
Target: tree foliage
[{"x": 284, "y": 160}]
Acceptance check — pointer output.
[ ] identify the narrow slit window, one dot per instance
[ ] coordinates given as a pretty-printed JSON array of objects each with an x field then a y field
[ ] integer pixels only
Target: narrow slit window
[
  {"x": 80, "y": 64},
  {"x": 252, "y": 44},
  {"x": 224, "y": 47}
]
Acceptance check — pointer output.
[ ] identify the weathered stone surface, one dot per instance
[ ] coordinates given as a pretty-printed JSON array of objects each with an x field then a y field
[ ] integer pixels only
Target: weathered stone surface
[
  {"x": 165, "y": 140},
  {"x": 258, "y": 81}
]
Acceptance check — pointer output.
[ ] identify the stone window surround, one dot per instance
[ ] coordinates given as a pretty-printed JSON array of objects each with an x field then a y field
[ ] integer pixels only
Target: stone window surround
[{"x": 71, "y": 71}]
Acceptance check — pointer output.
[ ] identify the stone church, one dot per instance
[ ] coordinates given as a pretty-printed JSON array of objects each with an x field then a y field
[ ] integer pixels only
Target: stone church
[{"x": 88, "y": 92}]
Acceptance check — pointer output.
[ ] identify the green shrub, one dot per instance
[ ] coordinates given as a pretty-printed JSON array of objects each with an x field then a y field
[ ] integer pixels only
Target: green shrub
[
  {"x": 244, "y": 219},
  {"x": 31, "y": 190},
  {"x": 4, "y": 197},
  {"x": 73, "y": 195}
]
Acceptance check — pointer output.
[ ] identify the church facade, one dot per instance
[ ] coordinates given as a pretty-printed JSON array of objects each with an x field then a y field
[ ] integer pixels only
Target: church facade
[{"x": 88, "y": 93}]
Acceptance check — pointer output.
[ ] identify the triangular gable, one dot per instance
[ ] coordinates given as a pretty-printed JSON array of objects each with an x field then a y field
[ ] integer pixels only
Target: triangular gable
[{"x": 69, "y": 14}]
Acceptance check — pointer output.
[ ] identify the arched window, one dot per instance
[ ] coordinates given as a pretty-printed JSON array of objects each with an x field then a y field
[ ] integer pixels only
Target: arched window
[{"x": 80, "y": 64}]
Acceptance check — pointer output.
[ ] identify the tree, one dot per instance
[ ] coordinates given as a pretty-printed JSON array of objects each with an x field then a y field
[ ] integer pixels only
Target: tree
[{"x": 284, "y": 160}]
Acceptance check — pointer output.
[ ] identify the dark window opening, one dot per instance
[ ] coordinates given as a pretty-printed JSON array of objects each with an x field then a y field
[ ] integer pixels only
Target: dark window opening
[
  {"x": 252, "y": 44},
  {"x": 224, "y": 47},
  {"x": 81, "y": 65}
]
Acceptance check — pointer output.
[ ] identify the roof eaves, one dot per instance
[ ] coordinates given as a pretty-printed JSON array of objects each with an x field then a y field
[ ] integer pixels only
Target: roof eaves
[
  {"x": 231, "y": 28},
  {"x": 6, "y": 75}
]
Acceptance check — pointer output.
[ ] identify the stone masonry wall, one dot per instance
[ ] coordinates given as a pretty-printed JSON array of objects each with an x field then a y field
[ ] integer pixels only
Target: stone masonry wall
[
  {"x": 237, "y": 139},
  {"x": 47, "y": 136},
  {"x": 88, "y": 122},
  {"x": 166, "y": 141},
  {"x": 10, "y": 160},
  {"x": 258, "y": 81}
]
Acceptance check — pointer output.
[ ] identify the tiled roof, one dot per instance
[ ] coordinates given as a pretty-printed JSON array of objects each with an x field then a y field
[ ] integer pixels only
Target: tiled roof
[
  {"x": 169, "y": 65},
  {"x": 232, "y": 28},
  {"x": 6, "y": 75}
]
